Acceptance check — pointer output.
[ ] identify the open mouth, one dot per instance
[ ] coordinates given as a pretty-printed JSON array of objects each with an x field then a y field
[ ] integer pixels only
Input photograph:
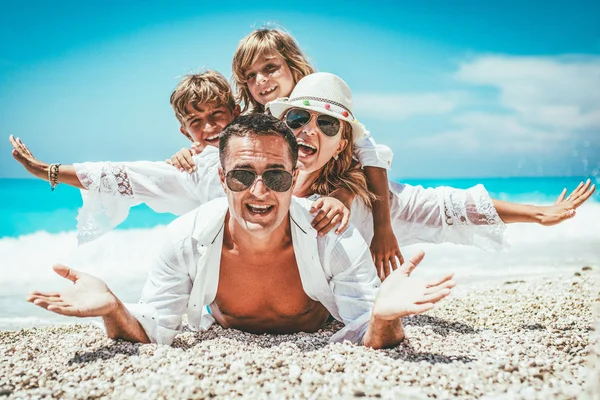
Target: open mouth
[
  {"x": 306, "y": 149},
  {"x": 259, "y": 208},
  {"x": 268, "y": 91},
  {"x": 213, "y": 138}
]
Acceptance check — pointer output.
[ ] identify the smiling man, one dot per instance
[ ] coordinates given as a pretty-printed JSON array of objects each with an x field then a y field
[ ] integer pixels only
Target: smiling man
[{"x": 254, "y": 262}]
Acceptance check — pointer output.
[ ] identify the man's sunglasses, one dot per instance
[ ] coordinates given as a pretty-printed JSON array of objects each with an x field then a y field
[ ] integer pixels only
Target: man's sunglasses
[
  {"x": 298, "y": 117},
  {"x": 277, "y": 180}
]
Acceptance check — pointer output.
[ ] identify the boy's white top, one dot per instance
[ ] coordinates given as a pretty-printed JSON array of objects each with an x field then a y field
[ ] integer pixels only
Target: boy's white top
[
  {"x": 336, "y": 271},
  {"x": 418, "y": 215}
]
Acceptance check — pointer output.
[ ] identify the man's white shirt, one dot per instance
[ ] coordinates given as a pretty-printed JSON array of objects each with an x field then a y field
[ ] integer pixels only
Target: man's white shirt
[{"x": 336, "y": 271}]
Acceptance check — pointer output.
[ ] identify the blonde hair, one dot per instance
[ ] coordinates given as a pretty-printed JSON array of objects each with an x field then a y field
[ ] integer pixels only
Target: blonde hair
[
  {"x": 265, "y": 42},
  {"x": 209, "y": 87},
  {"x": 345, "y": 172}
]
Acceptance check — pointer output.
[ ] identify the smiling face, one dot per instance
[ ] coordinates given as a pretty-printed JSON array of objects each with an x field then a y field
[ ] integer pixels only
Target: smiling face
[
  {"x": 258, "y": 209},
  {"x": 269, "y": 78},
  {"x": 315, "y": 149},
  {"x": 205, "y": 122}
]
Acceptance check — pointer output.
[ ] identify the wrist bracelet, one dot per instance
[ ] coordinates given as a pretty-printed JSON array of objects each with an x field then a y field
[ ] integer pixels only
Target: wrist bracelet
[{"x": 53, "y": 175}]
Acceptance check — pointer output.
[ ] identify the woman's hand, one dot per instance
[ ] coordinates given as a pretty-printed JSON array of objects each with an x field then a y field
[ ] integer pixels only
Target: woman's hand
[
  {"x": 183, "y": 161},
  {"x": 385, "y": 251},
  {"x": 564, "y": 208},
  {"x": 330, "y": 212},
  {"x": 22, "y": 154}
]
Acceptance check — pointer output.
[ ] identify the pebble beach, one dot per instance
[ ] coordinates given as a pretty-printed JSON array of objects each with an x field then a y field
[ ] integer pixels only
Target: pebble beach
[{"x": 534, "y": 339}]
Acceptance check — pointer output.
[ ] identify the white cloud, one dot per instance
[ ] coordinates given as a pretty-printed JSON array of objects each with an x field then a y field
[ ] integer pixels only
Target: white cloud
[
  {"x": 397, "y": 107},
  {"x": 554, "y": 92}
]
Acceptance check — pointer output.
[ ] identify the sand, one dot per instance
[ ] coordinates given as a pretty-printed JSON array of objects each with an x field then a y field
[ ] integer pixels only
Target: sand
[{"x": 530, "y": 339}]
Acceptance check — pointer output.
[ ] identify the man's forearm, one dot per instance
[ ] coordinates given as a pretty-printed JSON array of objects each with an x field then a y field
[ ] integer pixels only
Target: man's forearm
[
  {"x": 378, "y": 184},
  {"x": 514, "y": 212},
  {"x": 382, "y": 333},
  {"x": 120, "y": 324}
]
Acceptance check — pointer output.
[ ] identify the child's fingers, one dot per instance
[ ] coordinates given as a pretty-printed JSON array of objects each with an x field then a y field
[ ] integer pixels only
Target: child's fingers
[
  {"x": 187, "y": 156},
  {"x": 196, "y": 148},
  {"x": 344, "y": 222},
  {"x": 326, "y": 220},
  {"x": 325, "y": 230},
  {"x": 316, "y": 205},
  {"x": 183, "y": 161},
  {"x": 400, "y": 256},
  {"x": 393, "y": 263}
]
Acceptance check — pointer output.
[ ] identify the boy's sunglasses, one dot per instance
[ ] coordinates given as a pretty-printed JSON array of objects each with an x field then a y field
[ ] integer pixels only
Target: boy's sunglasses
[
  {"x": 297, "y": 118},
  {"x": 277, "y": 180}
]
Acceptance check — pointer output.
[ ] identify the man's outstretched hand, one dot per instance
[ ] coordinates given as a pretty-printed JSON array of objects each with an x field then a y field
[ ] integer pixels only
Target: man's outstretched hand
[
  {"x": 87, "y": 297},
  {"x": 401, "y": 295}
]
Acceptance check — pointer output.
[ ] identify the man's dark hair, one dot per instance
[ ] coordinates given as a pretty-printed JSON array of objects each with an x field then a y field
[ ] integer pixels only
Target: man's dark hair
[{"x": 257, "y": 125}]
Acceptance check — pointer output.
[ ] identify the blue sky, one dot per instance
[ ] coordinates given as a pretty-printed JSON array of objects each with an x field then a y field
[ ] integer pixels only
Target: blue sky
[{"x": 455, "y": 88}]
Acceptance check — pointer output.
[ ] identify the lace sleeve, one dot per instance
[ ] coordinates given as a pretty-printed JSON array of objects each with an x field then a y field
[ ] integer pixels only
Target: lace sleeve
[
  {"x": 106, "y": 201},
  {"x": 470, "y": 216},
  {"x": 445, "y": 214}
]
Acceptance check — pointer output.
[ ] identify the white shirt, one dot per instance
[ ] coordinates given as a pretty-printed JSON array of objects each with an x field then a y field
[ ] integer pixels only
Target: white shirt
[
  {"x": 418, "y": 215},
  {"x": 336, "y": 271}
]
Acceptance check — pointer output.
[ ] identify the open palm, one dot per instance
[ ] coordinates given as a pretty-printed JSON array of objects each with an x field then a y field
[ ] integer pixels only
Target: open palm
[
  {"x": 87, "y": 297},
  {"x": 400, "y": 295},
  {"x": 564, "y": 207}
]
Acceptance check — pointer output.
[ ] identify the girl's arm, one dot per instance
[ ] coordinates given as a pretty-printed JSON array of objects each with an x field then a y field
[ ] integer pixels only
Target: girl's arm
[{"x": 384, "y": 245}]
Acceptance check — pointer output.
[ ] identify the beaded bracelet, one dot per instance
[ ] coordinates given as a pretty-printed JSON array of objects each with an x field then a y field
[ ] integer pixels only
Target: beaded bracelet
[{"x": 53, "y": 175}]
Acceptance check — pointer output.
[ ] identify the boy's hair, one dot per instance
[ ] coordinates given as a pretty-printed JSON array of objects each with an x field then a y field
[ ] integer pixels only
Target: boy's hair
[
  {"x": 257, "y": 125},
  {"x": 265, "y": 42},
  {"x": 345, "y": 172},
  {"x": 209, "y": 87}
]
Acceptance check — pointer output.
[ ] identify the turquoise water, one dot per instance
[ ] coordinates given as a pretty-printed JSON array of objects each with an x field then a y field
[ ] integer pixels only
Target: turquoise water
[{"x": 28, "y": 206}]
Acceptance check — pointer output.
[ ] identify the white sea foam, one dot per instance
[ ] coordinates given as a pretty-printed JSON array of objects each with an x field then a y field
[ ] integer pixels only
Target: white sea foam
[{"x": 122, "y": 257}]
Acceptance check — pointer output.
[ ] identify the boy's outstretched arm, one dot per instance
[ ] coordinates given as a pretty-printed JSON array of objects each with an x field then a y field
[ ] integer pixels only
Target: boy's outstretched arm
[
  {"x": 564, "y": 207},
  {"x": 384, "y": 246}
]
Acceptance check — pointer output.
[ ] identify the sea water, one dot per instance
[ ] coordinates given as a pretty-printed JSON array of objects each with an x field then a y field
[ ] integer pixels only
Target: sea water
[{"x": 37, "y": 230}]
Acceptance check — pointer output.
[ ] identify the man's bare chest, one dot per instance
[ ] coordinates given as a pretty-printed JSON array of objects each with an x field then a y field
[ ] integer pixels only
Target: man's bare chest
[{"x": 261, "y": 285}]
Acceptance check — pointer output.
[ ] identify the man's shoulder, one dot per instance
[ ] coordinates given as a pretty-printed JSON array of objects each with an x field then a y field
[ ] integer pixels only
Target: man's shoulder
[{"x": 200, "y": 224}]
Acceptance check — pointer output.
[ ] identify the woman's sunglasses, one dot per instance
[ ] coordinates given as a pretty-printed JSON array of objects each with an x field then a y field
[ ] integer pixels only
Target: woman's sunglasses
[
  {"x": 297, "y": 118},
  {"x": 277, "y": 180}
]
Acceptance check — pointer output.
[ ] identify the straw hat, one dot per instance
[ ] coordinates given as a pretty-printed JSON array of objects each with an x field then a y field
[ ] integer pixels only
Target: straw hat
[{"x": 324, "y": 93}]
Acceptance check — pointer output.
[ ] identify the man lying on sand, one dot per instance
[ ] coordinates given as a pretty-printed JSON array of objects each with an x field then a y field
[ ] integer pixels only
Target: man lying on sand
[{"x": 255, "y": 260}]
